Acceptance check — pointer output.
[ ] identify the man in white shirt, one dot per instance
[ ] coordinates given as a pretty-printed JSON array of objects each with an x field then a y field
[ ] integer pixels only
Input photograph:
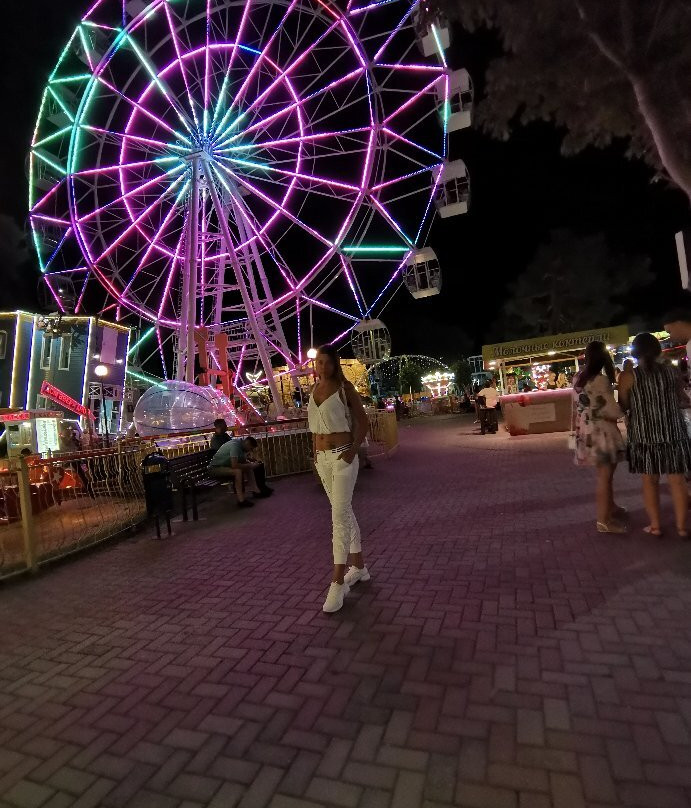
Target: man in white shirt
[{"x": 491, "y": 395}]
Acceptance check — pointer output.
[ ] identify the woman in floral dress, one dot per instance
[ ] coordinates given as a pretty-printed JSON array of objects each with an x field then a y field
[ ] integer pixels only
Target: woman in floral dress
[{"x": 599, "y": 442}]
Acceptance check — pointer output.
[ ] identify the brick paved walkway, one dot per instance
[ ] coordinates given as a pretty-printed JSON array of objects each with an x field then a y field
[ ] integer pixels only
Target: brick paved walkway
[{"x": 503, "y": 656}]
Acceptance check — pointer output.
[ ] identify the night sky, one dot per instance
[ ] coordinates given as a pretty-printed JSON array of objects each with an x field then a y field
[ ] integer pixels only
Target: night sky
[{"x": 520, "y": 191}]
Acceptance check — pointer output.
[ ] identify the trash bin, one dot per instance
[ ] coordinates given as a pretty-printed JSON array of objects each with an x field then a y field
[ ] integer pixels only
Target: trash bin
[{"x": 158, "y": 488}]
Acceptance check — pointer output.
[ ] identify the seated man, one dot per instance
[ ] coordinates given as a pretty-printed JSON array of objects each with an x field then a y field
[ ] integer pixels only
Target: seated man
[
  {"x": 233, "y": 460},
  {"x": 220, "y": 435}
]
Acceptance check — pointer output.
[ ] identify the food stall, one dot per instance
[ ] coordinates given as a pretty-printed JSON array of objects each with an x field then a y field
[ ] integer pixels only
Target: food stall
[{"x": 538, "y": 373}]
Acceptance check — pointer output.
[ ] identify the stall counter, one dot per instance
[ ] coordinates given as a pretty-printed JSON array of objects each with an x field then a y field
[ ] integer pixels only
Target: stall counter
[{"x": 537, "y": 412}]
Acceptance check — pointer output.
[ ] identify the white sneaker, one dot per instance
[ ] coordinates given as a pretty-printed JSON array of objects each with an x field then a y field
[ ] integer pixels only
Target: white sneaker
[
  {"x": 354, "y": 575},
  {"x": 334, "y": 600}
]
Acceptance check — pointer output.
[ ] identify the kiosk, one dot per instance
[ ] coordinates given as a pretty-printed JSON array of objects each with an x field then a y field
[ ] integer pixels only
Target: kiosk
[
  {"x": 544, "y": 363},
  {"x": 33, "y": 430}
]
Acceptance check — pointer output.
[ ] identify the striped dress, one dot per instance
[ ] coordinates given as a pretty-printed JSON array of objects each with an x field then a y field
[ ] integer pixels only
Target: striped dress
[{"x": 658, "y": 440}]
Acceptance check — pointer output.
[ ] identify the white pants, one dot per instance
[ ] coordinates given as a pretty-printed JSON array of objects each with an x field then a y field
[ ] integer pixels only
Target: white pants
[{"x": 338, "y": 479}]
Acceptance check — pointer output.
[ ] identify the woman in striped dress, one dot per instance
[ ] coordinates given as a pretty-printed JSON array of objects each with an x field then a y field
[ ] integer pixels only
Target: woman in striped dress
[{"x": 658, "y": 441}]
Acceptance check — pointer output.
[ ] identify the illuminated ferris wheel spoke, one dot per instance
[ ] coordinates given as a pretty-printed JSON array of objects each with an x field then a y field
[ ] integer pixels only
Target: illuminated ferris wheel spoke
[
  {"x": 134, "y": 191},
  {"x": 146, "y": 212},
  {"x": 240, "y": 94},
  {"x": 331, "y": 183},
  {"x": 292, "y": 66},
  {"x": 294, "y": 106},
  {"x": 412, "y": 100},
  {"x": 272, "y": 203},
  {"x": 117, "y": 167},
  {"x": 135, "y": 105},
  {"x": 183, "y": 70},
  {"x": 161, "y": 85},
  {"x": 144, "y": 141},
  {"x": 226, "y": 77},
  {"x": 174, "y": 211}
]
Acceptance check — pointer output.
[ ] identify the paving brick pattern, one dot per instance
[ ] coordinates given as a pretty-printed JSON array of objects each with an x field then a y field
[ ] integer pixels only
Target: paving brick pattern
[{"x": 504, "y": 655}]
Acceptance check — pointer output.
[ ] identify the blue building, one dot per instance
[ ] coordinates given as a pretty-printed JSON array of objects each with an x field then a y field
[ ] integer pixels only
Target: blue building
[{"x": 84, "y": 357}]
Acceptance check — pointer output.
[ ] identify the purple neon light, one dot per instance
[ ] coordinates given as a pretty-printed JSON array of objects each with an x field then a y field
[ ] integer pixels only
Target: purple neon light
[
  {"x": 412, "y": 100},
  {"x": 191, "y": 55}
]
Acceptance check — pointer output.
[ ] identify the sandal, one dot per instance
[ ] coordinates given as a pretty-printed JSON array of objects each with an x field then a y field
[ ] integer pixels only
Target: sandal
[
  {"x": 610, "y": 527},
  {"x": 652, "y": 531},
  {"x": 683, "y": 533}
]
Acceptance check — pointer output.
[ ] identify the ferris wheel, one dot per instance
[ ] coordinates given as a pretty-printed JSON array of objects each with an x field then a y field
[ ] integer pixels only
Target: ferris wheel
[{"x": 240, "y": 172}]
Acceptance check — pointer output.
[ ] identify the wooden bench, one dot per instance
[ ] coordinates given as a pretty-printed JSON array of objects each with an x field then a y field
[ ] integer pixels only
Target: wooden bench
[{"x": 190, "y": 475}]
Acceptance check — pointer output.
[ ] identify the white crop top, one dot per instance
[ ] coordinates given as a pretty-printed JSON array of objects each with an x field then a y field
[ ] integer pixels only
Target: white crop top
[{"x": 332, "y": 415}]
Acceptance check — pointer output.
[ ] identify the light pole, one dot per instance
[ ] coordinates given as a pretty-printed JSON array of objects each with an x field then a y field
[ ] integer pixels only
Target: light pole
[{"x": 102, "y": 371}]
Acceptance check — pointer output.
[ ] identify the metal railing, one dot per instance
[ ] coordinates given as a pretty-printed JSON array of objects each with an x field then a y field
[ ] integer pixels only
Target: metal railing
[{"x": 52, "y": 507}]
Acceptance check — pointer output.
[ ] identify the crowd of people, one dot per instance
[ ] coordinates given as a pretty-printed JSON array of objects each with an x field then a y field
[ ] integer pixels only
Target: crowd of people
[{"x": 649, "y": 398}]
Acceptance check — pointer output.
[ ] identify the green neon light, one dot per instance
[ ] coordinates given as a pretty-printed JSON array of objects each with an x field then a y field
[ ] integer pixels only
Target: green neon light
[
  {"x": 38, "y": 247},
  {"x": 144, "y": 337},
  {"x": 376, "y": 249},
  {"x": 61, "y": 103},
  {"x": 439, "y": 47},
  {"x": 62, "y": 56},
  {"x": 55, "y": 135},
  {"x": 51, "y": 163},
  {"x": 150, "y": 379},
  {"x": 85, "y": 44},
  {"x": 76, "y": 77}
]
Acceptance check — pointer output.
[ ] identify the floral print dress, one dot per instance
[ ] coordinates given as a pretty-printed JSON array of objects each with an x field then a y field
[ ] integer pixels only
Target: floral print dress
[{"x": 598, "y": 439}]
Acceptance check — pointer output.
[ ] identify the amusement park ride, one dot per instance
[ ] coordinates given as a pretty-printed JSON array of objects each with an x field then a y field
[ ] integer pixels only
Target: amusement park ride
[{"x": 230, "y": 172}]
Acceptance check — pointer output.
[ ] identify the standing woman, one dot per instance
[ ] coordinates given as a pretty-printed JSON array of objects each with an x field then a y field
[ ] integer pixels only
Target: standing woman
[
  {"x": 658, "y": 441},
  {"x": 598, "y": 440},
  {"x": 339, "y": 425}
]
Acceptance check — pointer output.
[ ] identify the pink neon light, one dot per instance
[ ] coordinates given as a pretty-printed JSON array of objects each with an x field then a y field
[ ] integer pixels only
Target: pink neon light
[
  {"x": 176, "y": 45},
  {"x": 412, "y": 100},
  {"x": 310, "y": 177},
  {"x": 191, "y": 55},
  {"x": 137, "y": 106},
  {"x": 387, "y": 41},
  {"x": 400, "y": 137},
  {"x": 301, "y": 102},
  {"x": 248, "y": 78},
  {"x": 133, "y": 191},
  {"x": 139, "y": 218},
  {"x": 402, "y": 178}
]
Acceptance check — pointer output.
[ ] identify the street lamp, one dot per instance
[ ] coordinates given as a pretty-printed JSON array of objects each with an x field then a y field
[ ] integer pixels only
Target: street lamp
[
  {"x": 101, "y": 371},
  {"x": 312, "y": 354}
]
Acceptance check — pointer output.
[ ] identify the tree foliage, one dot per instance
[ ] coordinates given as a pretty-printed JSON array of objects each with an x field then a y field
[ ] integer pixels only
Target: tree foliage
[
  {"x": 409, "y": 377},
  {"x": 573, "y": 283},
  {"x": 463, "y": 373},
  {"x": 601, "y": 69}
]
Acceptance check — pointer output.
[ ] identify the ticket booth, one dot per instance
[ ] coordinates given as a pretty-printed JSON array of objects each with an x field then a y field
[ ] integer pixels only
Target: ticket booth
[{"x": 33, "y": 430}]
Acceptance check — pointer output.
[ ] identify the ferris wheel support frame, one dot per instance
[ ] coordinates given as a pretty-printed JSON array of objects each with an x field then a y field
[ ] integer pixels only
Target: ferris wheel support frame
[{"x": 242, "y": 286}]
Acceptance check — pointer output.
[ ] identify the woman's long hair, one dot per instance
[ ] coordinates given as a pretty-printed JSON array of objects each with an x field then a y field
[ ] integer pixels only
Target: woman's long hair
[
  {"x": 332, "y": 353},
  {"x": 597, "y": 359},
  {"x": 646, "y": 349}
]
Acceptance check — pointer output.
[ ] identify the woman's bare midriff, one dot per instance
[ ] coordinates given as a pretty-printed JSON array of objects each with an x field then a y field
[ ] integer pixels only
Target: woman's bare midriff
[{"x": 332, "y": 441}]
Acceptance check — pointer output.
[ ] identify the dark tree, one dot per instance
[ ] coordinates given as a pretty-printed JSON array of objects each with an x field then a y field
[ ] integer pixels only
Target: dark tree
[
  {"x": 573, "y": 283},
  {"x": 409, "y": 377},
  {"x": 601, "y": 69}
]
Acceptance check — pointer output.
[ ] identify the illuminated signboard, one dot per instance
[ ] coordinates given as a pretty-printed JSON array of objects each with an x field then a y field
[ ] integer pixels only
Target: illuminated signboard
[
  {"x": 27, "y": 415},
  {"x": 55, "y": 394}
]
